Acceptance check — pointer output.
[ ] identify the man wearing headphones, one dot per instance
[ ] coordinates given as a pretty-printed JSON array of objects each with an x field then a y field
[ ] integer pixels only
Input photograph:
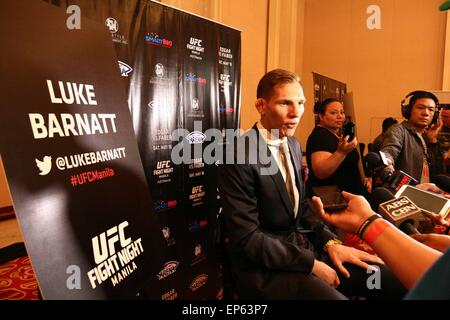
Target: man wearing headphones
[{"x": 412, "y": 145}]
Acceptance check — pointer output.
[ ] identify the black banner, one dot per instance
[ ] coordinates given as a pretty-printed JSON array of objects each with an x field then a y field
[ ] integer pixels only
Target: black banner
[
  {"x": 71, "y": 158},
  {"x": 181, "y": 72},
  {"x": 186, "y": 77},
  {"x": 325, "y": 87}
]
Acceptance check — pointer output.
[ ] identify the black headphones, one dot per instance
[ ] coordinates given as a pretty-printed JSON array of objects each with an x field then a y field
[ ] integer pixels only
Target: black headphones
[{"x": 419, "y": 94}]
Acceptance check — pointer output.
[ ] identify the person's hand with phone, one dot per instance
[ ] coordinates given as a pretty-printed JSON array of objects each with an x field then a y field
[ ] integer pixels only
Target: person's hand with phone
[
  {"x": 427, "y": 186},
  {"x": 331, "y": 197},
  {"x": 348, "y": 129},
  {"x": 433, "y": 131},
  {"x": 440, "y": 242},
  {"x": 437, "y": 219},
  {"x": 399, "y": 257},
  {"x": 345, "y": 147},
  {"x": 389, "y": 168},
  {"x": 350, "y": 219}
]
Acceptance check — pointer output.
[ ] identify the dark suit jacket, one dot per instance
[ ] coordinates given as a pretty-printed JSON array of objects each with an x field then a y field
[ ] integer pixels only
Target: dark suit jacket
[{"x": 268, "y": 246}]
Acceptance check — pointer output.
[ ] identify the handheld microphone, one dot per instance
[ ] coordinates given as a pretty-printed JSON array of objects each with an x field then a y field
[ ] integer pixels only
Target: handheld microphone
[
  {"x": 374, "y": 160},
  {"x": 399, "y": 179},
  {"x": 380, "y": 195},
  {"x": 401, "y": 212},
  {"x": 442, "y": 182},
  {"x": 393, "y": 181}
]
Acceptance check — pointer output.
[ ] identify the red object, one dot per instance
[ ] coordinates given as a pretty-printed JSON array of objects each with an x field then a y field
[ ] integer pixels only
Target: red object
[
  {"x": 353, "y": 240},
  {"x": 17, "y": 280},
  {"x": 375, "y": 230}
]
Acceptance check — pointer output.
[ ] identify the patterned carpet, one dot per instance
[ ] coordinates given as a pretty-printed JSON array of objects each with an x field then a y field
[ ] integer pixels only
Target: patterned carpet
[
  {"x": 18, "y": 282},
  {"x": 17, "y": 279}
]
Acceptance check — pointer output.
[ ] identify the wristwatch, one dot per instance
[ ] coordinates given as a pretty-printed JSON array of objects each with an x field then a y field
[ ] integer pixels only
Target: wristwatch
[{"x": 330, "y": 243}]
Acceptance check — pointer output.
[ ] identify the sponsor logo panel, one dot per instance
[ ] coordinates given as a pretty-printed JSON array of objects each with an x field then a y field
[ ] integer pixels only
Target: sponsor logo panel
[
  {"x": 170, "y": 268},
  {"x": 195, "y": 48},
  {"x": 198, "y": 282},
  {"x": 225, "y": 57},
  {"x": 113, "y": 26},
  {"x": 170, "y": 295},
  {"x": 167, "y": 233},
  {"x": 154, "y": 39}
]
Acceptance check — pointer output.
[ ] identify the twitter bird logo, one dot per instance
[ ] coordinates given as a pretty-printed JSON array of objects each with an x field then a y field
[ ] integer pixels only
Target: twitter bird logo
[{"x": 45, "y": 165}]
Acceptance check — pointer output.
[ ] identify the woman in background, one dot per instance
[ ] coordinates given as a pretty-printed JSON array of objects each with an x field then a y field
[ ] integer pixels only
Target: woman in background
[{"x": 332, "y": 159}]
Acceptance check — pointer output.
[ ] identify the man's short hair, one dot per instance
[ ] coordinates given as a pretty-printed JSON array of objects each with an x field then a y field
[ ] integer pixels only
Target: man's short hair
[
  {"x": 388, "y": 122},
  {"x": 272, "y": 79}
]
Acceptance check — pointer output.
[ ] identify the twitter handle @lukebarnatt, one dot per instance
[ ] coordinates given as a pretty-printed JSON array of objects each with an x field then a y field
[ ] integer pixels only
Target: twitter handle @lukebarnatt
[{"x": 79, "y": 160}]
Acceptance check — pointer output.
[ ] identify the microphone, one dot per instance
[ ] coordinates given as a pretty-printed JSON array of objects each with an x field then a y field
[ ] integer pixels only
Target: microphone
[
  {"x": 380, "y": 195},
  {"x": 401, "y": 212},
  {"x": 442, "y": 182},
  {"x": 374, "y": 160},
  {"x": 400, "y": 178},
  {"x": 393, "y": 181}
]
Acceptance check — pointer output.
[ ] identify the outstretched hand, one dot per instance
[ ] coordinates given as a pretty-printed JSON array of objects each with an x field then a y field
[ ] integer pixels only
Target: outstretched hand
[
  {"x": 433, "y": 131},
  {"x": 350, "y": 219},
  {"x": 427, "y": 186},
  {"x": 346, "y": 147},
  {"x": 437, "y": 219},
  {"x": 440, "y": 242}
]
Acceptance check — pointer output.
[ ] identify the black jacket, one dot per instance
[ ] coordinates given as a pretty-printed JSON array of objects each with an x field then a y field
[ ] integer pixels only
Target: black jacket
[
  {"x": 268, "y": 245},
  {"x": 404, "y": 147}
]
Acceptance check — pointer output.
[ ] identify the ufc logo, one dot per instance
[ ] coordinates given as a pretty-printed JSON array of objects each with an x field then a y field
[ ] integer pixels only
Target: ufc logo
[
  {"x": 225, "y": 77},
  {"x": 195, "y": 42},
  {"x": 104, "y": 245},
  {"x": 197, "y": 189},
  {"x": 163, "y": 164}
]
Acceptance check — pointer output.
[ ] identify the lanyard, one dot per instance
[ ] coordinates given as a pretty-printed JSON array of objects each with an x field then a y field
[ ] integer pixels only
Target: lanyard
[{"x": 425, "y": 149}]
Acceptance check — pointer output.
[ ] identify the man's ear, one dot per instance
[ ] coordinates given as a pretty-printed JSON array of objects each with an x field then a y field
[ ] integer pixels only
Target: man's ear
[{"x": 260, "y": 105}]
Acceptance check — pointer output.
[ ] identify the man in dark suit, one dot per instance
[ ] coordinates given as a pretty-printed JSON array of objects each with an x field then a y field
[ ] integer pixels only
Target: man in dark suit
[{"x": 278, "y": 248}]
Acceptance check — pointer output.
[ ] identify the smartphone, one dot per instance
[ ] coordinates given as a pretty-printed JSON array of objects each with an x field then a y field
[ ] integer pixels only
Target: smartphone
[
  {"x": 348, "y": 129},
  {"x": 425, "y": 200},
  {"x": 331, "y": 197}
]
